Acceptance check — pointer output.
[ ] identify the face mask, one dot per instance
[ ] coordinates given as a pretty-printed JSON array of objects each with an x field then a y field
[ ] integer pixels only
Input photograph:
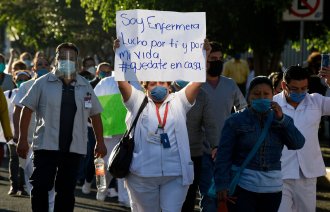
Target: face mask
[
  {"x": 66, "y": 67},
  {"x": 41, "y": 72},
  {"x": 103, "y": 74},
  {"x": 91, "y": 70},
  {"x": 261, "y": 105},
  {"x": 297, "y": 97},
  {"x": 158, "y": 93},
  {"x": 2, "y": 67},
  {"x": 27, "y": 62},
  {"x": 215, "y": 68},
  {"x": 19, "y": 82}
]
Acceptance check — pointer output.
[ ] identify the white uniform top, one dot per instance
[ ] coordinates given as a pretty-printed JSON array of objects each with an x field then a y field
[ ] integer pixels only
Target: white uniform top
[
  {"x": 150, "y": 158},
  {"x": 22, "y": 91},
  {"x": 307, "y": 117}
]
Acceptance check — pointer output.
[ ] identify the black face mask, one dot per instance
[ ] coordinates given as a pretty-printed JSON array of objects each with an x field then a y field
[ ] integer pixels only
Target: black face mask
[{"x": 215, "y": 68}]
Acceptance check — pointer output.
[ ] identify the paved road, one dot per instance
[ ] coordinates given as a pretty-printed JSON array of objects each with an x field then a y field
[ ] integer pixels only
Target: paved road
[
  {"x": 88, "y": 203},
  {"x": 84, "y": 203}
]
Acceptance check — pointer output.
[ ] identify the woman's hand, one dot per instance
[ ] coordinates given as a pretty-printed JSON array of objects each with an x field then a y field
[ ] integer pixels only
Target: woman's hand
[
  {"x": 116, "y": 44},
  {"x": 277, "y": 110},
  {"x": 222, "y": 195},
  {"x": 325, "y": 73}
]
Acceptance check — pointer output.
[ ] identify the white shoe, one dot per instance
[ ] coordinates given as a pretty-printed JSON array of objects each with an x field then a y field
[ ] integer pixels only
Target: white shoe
[
  {"x": 86, "y": 188},
  {"x": 112, "y": 192},
  {"x": 100, "y": 196}
]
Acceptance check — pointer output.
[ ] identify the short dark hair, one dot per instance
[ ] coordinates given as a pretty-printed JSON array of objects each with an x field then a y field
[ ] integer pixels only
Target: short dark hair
[
  {"x": 67, "y": 45},
  {"x": 276, "y": 78},
  {"x": 216, "y": 47},
  {"x": 295, "y": 73},
  {"x": 257, "y": 81},
  {"x": 86, "y": 59},
  {"x": 20, "y": 65}
]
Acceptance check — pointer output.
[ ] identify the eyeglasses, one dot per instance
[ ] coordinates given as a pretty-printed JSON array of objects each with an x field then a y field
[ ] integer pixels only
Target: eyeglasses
[{"x": 297, "y": 90}]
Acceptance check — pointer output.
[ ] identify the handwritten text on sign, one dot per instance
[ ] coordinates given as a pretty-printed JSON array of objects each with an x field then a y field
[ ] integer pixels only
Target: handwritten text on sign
[{"x": 160, "y": 46}]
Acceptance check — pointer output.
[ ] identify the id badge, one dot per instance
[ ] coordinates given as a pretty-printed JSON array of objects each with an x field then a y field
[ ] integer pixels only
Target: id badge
[
  {"x": 165, "y": 141},
  {"x": 88, "y": 102},
  {"x": 153, "y": 138}
]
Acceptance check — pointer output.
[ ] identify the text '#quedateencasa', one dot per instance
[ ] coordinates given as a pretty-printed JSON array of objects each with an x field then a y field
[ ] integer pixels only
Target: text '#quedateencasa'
[{"x": 152, "y": 23}]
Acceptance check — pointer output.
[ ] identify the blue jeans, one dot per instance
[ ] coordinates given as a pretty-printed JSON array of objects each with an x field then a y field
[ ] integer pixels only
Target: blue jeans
[
  {"x": 248, "y": 201},
  {"x": 207, "y": 203}
]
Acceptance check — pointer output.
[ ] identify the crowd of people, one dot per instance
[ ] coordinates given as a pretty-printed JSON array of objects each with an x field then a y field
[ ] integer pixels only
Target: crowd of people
[{"x": 261, "y": 131}]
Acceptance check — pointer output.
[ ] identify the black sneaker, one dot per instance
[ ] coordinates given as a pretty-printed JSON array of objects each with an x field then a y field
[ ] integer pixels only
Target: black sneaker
[
  {"x": 3, "y": 178},
  {"x": 23, "y": 193},
  {"x": 12, "y": 191}
]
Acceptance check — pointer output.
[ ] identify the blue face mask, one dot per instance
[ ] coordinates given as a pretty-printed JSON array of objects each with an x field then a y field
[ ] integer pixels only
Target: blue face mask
[
  {"x": 297, "y": 97},
  {"x": 158, "y": 93},
  {"x": 261, "y": 105},
  {"x": 2, "y": 67},
  {"x": 103, "y": 74},
  {"x": 19, "y": 82},
  {"x": 41, "y": 72}
]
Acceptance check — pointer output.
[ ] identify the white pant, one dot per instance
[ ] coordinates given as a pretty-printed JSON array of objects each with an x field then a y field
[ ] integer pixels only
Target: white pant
[
  {"x": 152, "y": 194},
  {"x": 298, "y": 195}
]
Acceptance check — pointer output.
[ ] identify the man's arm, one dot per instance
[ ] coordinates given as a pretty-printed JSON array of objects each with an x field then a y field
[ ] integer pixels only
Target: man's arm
[
  {"x": 100, "y": 148},
  {"x": 23, "y": 145},
  {"x": 13, "y": 52},
  {"x": 16, "y": 117}
]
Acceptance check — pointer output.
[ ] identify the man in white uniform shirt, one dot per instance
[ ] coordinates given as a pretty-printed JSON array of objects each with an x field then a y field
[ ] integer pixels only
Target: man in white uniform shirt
[{"x": 300, "y": 168}]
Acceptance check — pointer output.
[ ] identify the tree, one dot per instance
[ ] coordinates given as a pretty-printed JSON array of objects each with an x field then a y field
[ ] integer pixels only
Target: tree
[
  {"x": 41, "y": 24},
  {"x": 239, "y": 25}
]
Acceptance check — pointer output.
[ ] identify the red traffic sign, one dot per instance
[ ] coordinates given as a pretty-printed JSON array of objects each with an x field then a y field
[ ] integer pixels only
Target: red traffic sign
[{"x": 304, "y": 10}]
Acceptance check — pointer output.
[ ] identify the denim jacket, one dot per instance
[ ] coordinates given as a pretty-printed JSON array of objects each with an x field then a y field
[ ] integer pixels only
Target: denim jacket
[{"x": 240, "y": 133}]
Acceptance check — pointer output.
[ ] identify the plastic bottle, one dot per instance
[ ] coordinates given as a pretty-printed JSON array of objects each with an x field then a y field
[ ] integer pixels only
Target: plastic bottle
[{"x": 100, "y": 175}]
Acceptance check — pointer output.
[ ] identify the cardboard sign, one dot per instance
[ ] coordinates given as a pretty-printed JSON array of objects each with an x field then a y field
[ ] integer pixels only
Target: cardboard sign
[{"x": 160, "y": 46}]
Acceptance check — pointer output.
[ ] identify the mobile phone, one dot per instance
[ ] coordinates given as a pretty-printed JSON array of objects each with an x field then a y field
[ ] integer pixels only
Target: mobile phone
[
  {"x": 324, "y": 63},
  {"x": 325, "y": 60}
]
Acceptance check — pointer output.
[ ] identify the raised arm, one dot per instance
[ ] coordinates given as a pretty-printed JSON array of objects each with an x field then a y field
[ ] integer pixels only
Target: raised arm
[
  {"x": 13, "y": 52},
  {"x": 193, "y": 87},
  {"x": 124, "y": 87},
  {"x": 325, "y": 73}
]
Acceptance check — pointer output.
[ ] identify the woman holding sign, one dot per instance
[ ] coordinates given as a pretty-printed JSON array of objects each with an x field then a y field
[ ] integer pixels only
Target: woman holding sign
[{"x": 161, "y": 169}]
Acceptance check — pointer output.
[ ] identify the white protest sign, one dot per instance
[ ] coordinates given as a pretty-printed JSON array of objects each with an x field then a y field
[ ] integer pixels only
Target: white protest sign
[{"x": 160, "y": 46}]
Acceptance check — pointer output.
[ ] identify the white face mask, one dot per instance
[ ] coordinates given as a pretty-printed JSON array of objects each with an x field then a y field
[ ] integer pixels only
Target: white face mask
[
  {"x": 92, "y": 70},
  {"x": 67, "y": 67}
]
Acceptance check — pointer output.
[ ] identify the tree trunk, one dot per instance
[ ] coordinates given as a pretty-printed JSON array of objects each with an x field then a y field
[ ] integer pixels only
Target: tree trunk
[{"x": 260, "y": 62}]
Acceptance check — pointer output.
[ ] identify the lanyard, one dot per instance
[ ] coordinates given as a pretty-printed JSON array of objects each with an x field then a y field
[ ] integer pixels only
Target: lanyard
[{"x": 160, "y": 124}]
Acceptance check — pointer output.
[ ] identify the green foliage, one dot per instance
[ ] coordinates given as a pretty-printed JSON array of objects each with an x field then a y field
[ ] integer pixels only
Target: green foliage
[
  {"x": 107, "y": 10},
  {"x": 40, "y": 24},
  {"x": 240, "y": 25}
]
